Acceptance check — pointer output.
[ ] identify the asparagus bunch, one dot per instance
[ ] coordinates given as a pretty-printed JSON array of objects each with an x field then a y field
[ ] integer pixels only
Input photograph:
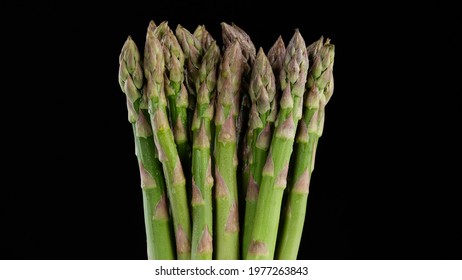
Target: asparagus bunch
[
  {"x": 209, "y": 126},
  {"x": 157, "y": 222}
]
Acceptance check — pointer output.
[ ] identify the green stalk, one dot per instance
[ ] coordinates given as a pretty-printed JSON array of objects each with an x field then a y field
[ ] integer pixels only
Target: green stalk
[
  {"x": 158, "y": 231},
  {"x": 262, "y": 91},
  {"x": 165, "y": 144},
  {"x": 157, "y": 222},
  {"x": 319, "y": 88},
  {"x": 202, "y": 178},
  {"x": 175, "y": 90},
  {"x": 227, "y": 213},
  {"x": 274, "y": 174}
]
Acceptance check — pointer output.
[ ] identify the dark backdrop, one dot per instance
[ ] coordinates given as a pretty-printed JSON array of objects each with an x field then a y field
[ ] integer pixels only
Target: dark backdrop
[{"x": 385, "y": 184}]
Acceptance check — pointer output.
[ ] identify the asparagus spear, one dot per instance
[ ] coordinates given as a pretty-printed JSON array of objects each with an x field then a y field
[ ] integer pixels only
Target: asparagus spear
[
  {"x": 175, "y": 90},
  {"x": 156, "y": 217},
  {"x": 319, "y": 88},
  {"x": 206, "y": 40},
  {"x": 163, "y": 138},
  {"x": 262, "y": 91},
  {"x": 227, "y": 214},
  {"x": 230, "y": 34},
  {"x": 274, "y": 174},
  {"x": 276, "y": 59},
  {"x": 193, "y": 52},
  {"x": 202, "y": 244}
]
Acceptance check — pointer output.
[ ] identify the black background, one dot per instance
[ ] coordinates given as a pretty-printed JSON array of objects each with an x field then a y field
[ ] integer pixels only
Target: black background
[{"x": 385, "y": 184}]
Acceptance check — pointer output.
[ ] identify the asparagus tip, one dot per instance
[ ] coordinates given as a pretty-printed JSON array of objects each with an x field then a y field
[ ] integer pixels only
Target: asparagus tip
[{"x": 152, "y": 26}]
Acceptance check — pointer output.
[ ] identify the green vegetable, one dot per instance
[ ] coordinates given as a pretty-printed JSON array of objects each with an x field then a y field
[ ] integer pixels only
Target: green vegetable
[
  {"x": 157, "y": 222},
  {"x": 154, "y": 69},
  {"x": 274, "y": 175}
]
